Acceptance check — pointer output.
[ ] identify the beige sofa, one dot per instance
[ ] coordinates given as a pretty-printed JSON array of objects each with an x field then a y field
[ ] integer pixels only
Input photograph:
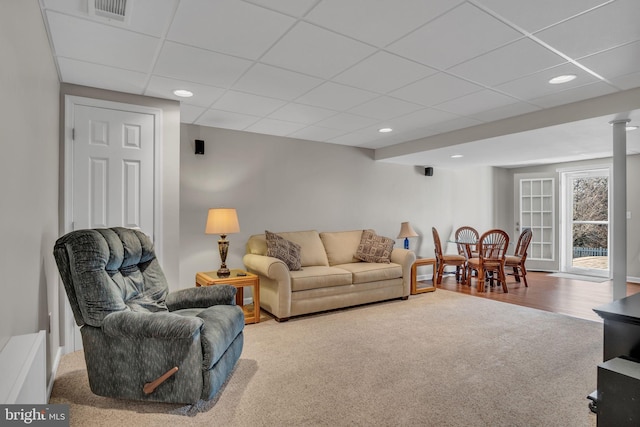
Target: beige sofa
[{"x": 330, "y": 277}]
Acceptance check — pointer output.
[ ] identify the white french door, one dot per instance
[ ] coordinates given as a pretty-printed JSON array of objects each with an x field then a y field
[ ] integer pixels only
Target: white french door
[
  {"x": 536, "y": 201},
  {"x": 586, "y": 228}
]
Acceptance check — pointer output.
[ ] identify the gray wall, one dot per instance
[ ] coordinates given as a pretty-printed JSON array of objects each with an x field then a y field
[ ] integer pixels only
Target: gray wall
[
  {"x": 281, "y": 184},
  {"x": 28, "y": 175}
]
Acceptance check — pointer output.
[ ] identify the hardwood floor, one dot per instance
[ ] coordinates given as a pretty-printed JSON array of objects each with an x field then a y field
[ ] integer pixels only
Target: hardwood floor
[{"x": 567, "y": 296}]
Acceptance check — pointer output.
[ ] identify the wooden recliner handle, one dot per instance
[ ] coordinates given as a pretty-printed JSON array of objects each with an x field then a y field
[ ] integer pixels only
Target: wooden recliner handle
[{"x": 151, "y": 387}]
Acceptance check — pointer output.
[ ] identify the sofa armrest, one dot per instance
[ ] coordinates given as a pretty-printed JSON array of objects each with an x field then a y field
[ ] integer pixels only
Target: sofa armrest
[
  {"x": 201, "y": 297},
  {"x": 405, "y": 258},
  {"x": 275, "y": 283},
  {"x": 267, "y": 266},
  {"x": 141, "y": 325}
]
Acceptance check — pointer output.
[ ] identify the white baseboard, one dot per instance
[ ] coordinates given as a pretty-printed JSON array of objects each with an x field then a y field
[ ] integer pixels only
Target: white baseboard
[{"x": 54, "y": 371}]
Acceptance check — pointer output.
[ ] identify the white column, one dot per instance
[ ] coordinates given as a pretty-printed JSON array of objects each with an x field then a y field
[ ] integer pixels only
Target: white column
[{"x": 618, "y": 257}]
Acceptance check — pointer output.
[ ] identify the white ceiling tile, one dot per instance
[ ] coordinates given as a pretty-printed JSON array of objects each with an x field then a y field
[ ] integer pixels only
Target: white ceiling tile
[
  {"x": 608, "y": 26},
  {"x": 507, "y": 63},
  {"x": 316, "y": 133},
  {"x": 189, "y": 113},
  {"x": 476, "y": 102},
  {"x": 275, "y": 82},
  {"x": 335, "y": 96},
  {"x": 628, "y": 81},
  {"x": 377, "y": 22},
  {"x": 274, "y": 127},
  {"x": 101, "y": 44},
  {"x": 314, "y": 51},
  {"x": 239, "y": 102},
  {"x": 385, "y": 107},
  {"x": 537, "y": 84},
  {"x": 503, "y": 112},
  {"x": 228, "y": 26},
  {"x": 535, "y": 15},
  {"x": 198, "y": 65},
  {"x": 356, "y": 139},
  {"x": 435, "y": 89},
  {"x": 226, "y": 120},
  {"x": 459, "y": 123},
  {"x": 299, "y": 113},
  {"x": 453, "y": 38},
  {"x": 100, "y": 76},
  {"x": 203, "y": 95},
  {"x": 615, "y": 62},
  {"x": 290, "y": 7},
  {"x": 346, "y": 122},
  {"x": 383, "y": 72},
  {"x": 574, "y": 94},
  {"x": 421, "y": 119}
]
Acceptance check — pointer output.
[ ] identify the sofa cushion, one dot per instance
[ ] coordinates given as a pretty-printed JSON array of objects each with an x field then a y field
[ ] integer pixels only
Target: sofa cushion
[
  {"x": 311, "y": 248},
  {"x": 341, "y": 246},
  {"x": 364, "y": 272},
  {"x": 283, "y": 249},
  {"x": 314, "y": 277},
  {"x": 374, "y": 248}
]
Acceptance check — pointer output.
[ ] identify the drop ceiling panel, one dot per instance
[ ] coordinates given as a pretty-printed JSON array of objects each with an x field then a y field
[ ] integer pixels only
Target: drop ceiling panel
[
  {"x": 94, "y": 75},
  {"x": 435, "y": 89},
  {"x": 383, "y": 72},
  {"x": 453, "y": 38},
  {"x": 385, "y": 107},
  {"x": 616, "y": 62},
  {"x": 274, "y": 127},
  {"x": 335, "y": 96},
  {"x": 476, "y": 102},
  {"x": 608, "y": 26},
  {"x": 291, "y": 7},
  {"x": 299, "y": 113},
  {"x": 377, "y": 22},
  {"x": 507, "y": 63},
  {"x": 203, "y": 95},
  {"x": 189, "y": 113},
  {"x": 535, "y": 15},
  {"x": 574, "y": 94},
  {"x": 198, "y": 65},
  {"x": 316, "y": 133},
  {"x": 101, "y": 44},
  {"x": 228, "y": 26},
  {"x": 499, "y": 113},
  {"x": 275, "y": 82},
  {"x": 421, "y": 119},
  {"x": 346, "y": 122},
  {"x": 239, "y": 102},
  {"x": 315, "y": 51},
  {"x": 226, "y": 119}
]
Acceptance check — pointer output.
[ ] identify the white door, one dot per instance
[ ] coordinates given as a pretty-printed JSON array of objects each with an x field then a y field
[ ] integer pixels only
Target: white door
[
  {"x": 110, "y": 172},
  {"x": 586, "y": 222},
  {"x": 535, "y": 198},
  {"x": 112, "y": 168}
]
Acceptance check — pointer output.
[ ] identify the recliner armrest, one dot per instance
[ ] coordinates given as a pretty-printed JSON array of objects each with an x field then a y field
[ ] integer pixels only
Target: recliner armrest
[
  {"x": 201, "y": 297},
  {"x": 163, "y": 325}
]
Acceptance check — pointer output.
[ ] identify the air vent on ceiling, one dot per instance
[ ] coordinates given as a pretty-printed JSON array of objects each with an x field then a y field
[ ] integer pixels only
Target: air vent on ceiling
[{"x": 117, "y": 10}]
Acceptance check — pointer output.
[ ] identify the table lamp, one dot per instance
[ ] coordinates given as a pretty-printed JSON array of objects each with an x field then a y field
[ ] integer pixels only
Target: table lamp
[
  {"x": 406, "y": 231},
  {"x": 222, "y": 221}
]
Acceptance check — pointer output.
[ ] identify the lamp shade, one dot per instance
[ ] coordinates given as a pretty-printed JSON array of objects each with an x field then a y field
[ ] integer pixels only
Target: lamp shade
[
  {"x": 222, "y": 221},
  {"x": 406, "y": 231}
]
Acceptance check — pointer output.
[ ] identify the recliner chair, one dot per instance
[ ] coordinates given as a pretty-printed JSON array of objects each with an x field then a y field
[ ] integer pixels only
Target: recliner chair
[{"x": 140, "y": 341}]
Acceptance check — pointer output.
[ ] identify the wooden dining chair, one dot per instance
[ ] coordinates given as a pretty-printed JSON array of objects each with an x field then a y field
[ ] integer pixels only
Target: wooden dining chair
[
  {"x": 517, "y": 260},
  {"x": 443, "y": 260},
  {"x": 467, "y": 241},
  {"x": 492, "y": 249}
]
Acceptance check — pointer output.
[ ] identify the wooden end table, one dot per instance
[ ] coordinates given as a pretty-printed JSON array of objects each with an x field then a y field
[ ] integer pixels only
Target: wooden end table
[
  {"x": 239, "y": 279},
  {"x": 414, "y": 283}
]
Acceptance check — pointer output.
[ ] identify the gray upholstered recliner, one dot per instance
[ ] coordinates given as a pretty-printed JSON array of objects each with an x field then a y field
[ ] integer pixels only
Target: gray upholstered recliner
[{"x": 134, "y": 331}]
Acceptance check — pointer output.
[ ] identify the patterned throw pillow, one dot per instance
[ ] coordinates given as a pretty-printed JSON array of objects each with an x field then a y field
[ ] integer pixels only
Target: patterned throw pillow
[
  {"x": 283, "y": 249},
  {"x": 374, "y": 248}
]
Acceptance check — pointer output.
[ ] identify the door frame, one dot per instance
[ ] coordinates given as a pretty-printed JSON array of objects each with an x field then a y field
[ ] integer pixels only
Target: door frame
[
  {"x": 70, "y": 102},
  {"x": 566, "y": 244}
]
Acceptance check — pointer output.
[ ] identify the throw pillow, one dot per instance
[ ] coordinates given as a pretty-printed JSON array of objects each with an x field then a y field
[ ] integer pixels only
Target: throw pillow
[
  {"x": 374, "y": 248},
  {"x": 283, "y": 249}
]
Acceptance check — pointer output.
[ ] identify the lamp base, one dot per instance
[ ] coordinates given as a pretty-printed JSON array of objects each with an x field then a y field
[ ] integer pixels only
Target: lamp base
[
  {"x": 223, "y": 247},
  {"x": 223, "y": 272},
  {"x": 406, "y": 243}
]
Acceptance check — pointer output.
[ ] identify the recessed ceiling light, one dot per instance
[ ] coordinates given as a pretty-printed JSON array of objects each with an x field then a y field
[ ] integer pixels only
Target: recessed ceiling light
[
  {"x": 385, "y": 130},
  {"x": 457, "y": 156},
  {"x": 183, "y": 93},
  {"x": 562, "y": 79},
  {"x": 631, "y": 127}
]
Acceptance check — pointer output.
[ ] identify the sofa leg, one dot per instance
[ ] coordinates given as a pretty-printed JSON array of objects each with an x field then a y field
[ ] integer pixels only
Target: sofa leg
[
  {"x": 404, "y": 298},
  {"x": 281, "y": 319}
]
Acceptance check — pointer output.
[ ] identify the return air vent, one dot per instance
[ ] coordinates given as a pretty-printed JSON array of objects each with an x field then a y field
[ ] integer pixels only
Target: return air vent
[{"x": 117, "y": 10}]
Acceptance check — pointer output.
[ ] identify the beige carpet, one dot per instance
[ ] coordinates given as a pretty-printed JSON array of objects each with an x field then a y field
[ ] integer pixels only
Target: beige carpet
[{"x": 438, "y": 359}]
